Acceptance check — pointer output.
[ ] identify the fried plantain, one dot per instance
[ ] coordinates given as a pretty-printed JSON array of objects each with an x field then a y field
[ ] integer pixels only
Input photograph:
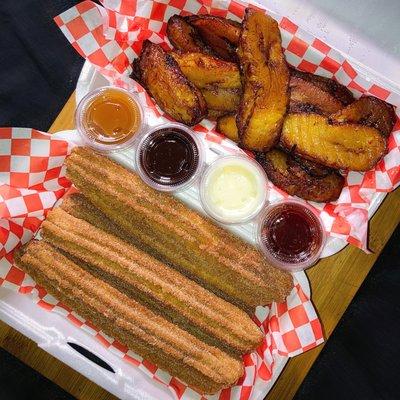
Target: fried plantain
[
  {"x": 213, "y": 115},
  {"x": 334, "y": 88},
  {"x": 266, "y": 79},
  {"x": 227, "y": 126},
  {"x": 184, "y": 37},
  {"x": 288, "y": 174},
  {"x": 163, "y": 79},
  {"x": 368, "y": 111},
  {"x": 204, "y": 70},
  {"x": 301, "y": 108},
  {"x": 347, "y": 146},
  {"x": 306, "y": 95},
  {"x": 226, "y": 100},
  {"x": 220, "y": 34},
  {"x": 312, "y": 168}
]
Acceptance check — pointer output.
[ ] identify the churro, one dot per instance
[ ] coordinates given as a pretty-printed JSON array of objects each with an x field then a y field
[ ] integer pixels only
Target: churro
[
  {"x": 205, "y": 368},
  {"x": 193, "y": 244},
  {"x": 154, "y": 284}
]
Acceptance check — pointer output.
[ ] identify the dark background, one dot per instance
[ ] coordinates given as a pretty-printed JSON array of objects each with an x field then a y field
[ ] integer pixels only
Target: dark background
[{"x": 38, "y": 72}]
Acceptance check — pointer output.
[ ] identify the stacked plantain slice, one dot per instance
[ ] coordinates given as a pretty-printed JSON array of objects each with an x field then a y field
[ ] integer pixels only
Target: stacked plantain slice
[{"x": 296, "y": 122}]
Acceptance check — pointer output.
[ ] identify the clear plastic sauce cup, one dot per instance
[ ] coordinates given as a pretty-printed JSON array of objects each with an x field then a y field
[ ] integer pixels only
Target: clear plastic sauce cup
[
  {"x": 109, "y": 119},
  {"x": 233, "y": 189},
  {"x": 291, "y": 235},
  {"x": 169, "y": 157}
]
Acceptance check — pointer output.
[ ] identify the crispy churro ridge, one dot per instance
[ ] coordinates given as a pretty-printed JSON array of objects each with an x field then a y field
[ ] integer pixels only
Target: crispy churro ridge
[
  {"x": 205, "y": 368},
  {"x": 147, "y": 279},
  {"x": 80, "y": 207},
  {"x": 176, "y": 233}
]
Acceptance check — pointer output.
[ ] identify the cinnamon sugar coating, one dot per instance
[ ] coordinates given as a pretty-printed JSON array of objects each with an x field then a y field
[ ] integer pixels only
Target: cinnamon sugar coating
[
  {"x": 205, "y": 368},
  {"x": 177, "y": 235}
]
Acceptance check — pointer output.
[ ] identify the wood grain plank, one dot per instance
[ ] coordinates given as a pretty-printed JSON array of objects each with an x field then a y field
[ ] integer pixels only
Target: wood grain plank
[
  {"x": 334, "y": 282},
  {"x": 65, "y": 120}
]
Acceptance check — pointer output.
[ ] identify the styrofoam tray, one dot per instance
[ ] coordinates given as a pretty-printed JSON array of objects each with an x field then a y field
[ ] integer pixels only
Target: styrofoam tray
[{"x": 54, "y": 332}]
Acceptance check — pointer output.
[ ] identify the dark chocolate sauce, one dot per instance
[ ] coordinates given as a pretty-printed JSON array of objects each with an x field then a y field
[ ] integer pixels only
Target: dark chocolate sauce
[
  {"x": 292, "y": 233},
  {"x": 169, "y": 156}
]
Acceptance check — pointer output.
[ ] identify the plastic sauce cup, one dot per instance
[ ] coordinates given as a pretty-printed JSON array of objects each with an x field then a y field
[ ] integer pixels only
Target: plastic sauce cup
[
  {"x": 291, "y": 235},
  {"x": 109, "y": 119},
  {"x": 233, "y": 189},
  {"x": 169, "y": 157}
]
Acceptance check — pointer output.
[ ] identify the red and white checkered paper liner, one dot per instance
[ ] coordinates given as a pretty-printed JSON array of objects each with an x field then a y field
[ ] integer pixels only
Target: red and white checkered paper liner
[
  {"x": 110, "y": 37},
  {"x": 32, "y": 176},
  {"x": 33, "y": 179}
]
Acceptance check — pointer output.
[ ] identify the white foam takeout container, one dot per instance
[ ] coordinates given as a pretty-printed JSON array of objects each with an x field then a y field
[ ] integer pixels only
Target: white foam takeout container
[{"x": 327, "y": 20}]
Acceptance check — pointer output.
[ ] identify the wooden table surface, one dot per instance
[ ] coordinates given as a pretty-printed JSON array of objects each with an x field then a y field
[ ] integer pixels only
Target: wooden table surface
[{"x": 334, "y": 282}]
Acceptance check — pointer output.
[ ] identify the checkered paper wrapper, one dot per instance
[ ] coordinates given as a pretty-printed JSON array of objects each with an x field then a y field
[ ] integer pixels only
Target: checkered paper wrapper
[
  {"x": 34, "y": 180},
  {"x": 111, "y": 36},
  {"x": 32, "y": 175}
]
